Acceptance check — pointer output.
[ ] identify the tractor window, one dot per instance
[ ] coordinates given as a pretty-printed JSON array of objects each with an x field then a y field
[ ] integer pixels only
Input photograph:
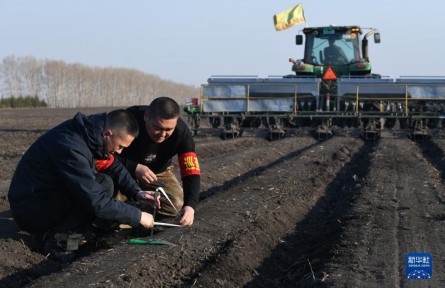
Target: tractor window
[{"x": 332, "y": 49}]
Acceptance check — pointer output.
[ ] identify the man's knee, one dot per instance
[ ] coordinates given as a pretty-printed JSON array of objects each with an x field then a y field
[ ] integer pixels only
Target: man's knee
[{"x": 106, "y": 182}]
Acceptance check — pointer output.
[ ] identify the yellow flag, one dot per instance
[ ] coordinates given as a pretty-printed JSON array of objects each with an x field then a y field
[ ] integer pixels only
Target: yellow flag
[{"x": 289, "y": 18}]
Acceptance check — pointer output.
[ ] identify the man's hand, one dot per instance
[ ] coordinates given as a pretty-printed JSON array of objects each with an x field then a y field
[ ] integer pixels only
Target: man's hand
[
  {"x": 187, "y": 216},
  {"x": 143, "y": 173},
  {"x": 148, "y": 198},
  {"x": 147, "y": 220}
]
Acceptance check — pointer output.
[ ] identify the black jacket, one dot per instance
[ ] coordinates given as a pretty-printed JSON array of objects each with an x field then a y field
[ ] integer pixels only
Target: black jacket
[
  {"x": 63, "y": 161},
  {"x": 180, "y": 142}
]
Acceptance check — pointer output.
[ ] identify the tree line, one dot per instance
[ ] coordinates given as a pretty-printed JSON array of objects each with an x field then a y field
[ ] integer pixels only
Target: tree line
[
  {"x": 65, "y": 85},
  {"x": 22, "y": 102}
]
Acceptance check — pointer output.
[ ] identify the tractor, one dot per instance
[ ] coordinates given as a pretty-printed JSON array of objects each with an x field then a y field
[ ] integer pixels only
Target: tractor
[{"x": 332, "y": 86}]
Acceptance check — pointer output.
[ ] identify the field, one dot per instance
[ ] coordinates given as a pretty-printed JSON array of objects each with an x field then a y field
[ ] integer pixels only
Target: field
[{"x": 289, "y": 213}]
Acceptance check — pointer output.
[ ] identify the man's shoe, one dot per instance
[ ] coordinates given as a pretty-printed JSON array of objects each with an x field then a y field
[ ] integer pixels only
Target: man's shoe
[{"x": 61, "y": 246}]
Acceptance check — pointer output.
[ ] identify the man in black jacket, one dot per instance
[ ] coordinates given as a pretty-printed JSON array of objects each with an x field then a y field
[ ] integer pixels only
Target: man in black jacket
[
  {"x": 66, "y": 179},
  {"x": 162, "y": 135}
]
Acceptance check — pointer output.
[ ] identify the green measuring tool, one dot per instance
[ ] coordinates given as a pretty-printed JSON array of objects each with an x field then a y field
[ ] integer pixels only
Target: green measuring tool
[{"x": 148, "y": 242}]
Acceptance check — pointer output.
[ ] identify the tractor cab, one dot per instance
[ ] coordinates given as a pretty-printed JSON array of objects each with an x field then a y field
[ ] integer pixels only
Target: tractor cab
[{"x": 338, "y": 47}]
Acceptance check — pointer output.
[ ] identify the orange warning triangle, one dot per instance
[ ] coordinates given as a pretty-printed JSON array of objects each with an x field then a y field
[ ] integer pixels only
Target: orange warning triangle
[{"x": 329, "y": 74}]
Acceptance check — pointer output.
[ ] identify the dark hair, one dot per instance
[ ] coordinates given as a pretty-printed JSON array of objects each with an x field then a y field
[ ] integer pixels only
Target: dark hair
[
  {"x": 122, "y": 121},
  {"x": 164, "y": 108}
]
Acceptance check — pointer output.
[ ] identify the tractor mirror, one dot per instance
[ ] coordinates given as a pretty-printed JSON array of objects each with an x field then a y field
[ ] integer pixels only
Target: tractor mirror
[
  {"x": 299, "y": 39},
  {"x": 377, "y": 38}
]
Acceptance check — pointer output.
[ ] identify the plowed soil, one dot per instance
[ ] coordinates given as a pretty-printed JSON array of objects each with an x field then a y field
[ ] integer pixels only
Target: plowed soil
[{"x": 294, "y": 212}]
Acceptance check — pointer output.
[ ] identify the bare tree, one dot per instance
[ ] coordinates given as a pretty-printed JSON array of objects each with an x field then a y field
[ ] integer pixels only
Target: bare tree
[
  {"x": 30, "y": 69},
  {"x": 11, "y": 77}
]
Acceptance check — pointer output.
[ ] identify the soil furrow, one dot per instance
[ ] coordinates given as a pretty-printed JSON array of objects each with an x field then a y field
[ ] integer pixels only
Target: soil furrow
[
  {"x": 293, "y": 231},
  {"x": 301, "y": 261},
  {"x": 246, "y": 162},
  {"x": 392, "y": 208}
]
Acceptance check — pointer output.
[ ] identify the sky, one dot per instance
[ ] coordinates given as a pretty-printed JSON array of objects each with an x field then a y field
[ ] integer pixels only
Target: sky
[{"x": 189, "y": 41}]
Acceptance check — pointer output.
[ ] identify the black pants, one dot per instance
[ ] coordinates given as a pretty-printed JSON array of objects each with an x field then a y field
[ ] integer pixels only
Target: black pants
[{"x": 57, "y": 213}]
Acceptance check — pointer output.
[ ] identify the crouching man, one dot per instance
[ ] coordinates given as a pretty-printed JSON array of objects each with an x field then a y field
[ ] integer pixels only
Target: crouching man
[
  {"x": 67, "y": 178},
  {"x": 162, "y": 136}
]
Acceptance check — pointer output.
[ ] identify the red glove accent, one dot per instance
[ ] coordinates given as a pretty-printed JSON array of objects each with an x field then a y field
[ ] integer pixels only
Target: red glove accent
[
  {"x": 188, "y": 164},
  {"x": 102, "y": 165}
]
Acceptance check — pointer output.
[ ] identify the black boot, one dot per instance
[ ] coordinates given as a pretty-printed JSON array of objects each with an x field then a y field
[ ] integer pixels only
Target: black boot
[{"x": 61, "y": 247}]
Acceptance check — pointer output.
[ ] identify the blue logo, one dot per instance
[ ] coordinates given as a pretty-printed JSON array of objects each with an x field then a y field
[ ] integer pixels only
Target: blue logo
[{"x": 419, "y": 265}]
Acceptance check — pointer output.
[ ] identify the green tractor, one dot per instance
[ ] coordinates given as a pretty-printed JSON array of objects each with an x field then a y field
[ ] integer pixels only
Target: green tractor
[
  {"x": 333, "y": 52},
  {"x": 338, "y": 47}
]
